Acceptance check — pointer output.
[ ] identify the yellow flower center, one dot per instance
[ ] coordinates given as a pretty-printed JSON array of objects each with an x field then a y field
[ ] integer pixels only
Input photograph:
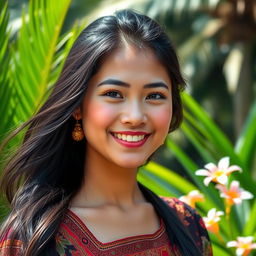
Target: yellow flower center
[
  {"x": 210, "y": 222},
  {"x": 245, "y": 246},
  {"x": 218, "y": 173}
]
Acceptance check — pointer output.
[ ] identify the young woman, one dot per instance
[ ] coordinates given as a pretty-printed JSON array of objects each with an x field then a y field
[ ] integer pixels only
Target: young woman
[{"x": 72, "y": 183}]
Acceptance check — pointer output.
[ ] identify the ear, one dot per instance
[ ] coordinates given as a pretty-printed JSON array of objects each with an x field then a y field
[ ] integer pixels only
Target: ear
[{"x": 77, "y": 114}]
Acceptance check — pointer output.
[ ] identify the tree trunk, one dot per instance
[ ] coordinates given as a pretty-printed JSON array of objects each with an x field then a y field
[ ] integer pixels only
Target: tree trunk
[{"x": 244, "y": 92}]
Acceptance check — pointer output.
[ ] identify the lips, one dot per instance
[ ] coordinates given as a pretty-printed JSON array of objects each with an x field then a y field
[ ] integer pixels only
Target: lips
[{"x": 130, "y": 138}]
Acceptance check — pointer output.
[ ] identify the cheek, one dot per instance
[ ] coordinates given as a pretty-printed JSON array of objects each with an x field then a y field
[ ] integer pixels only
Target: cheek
[
  {"x": 163, "y": 118},
  {"x": 97, "y": 114}
]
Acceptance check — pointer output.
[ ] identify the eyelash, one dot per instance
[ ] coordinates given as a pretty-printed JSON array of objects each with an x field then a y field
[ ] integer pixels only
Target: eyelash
[
  {"x": 110, "y": 94},
  {"x": 162, "y": 97}
]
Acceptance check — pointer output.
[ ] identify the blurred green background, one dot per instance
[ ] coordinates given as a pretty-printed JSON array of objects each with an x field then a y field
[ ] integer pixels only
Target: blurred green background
[{"x": 215, "y": 41}]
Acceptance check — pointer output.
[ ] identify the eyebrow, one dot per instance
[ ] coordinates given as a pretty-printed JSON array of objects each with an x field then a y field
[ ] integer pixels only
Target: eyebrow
[{"x": 124, "y": 84}]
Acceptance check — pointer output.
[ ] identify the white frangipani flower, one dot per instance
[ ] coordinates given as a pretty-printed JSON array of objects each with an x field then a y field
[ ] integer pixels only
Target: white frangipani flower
[
  {"x": 244, "y": 245},
  {"x": 192, "y": 197},
  {"x": 212, "y": 219},
  {"x": 218, "y": 174},
  {"x": 235, "y": 194}
]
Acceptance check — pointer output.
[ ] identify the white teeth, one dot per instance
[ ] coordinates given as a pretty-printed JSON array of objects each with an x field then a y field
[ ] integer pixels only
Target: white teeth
[
  {"x": 129, "y": 138},
  {"x": 136, "y": 138}
]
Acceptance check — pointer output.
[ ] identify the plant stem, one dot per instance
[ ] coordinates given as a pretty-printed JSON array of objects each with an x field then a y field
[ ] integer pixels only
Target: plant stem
[
  {"x": 228, "y": 210},
  {"x": 220, "y": 238}
]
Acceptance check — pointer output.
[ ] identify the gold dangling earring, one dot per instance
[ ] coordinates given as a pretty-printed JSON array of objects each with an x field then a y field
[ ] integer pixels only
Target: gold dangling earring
[{"x": 77, "y": 133}]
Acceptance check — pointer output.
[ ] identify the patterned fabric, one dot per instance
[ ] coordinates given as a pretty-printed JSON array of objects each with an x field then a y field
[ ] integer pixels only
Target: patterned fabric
[
  {"x": 75, "y": 239},
  {"x": 10, "y": 247},
  {"x": 194, "y": 223}
]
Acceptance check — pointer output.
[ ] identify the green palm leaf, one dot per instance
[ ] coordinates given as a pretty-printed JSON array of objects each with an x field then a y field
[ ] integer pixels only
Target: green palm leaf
[
  {"x": 245, "y": 146},
  {"x": 37, "y": 43},
  {"x": 6, "y": 90},
  {"x": 36, "y": 58}
]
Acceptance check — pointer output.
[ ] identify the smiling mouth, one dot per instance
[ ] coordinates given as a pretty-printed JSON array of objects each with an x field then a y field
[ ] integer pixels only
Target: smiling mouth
[
  {"x": 140, "y": 136},
  {"x": 129, "y": 138}
]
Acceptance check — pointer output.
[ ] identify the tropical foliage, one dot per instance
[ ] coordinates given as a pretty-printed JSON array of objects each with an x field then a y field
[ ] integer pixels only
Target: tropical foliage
[
  {"x": 209, "y": 47},
  {"x": 32, "y": 61},
  {"x": 211, "y": 144}
]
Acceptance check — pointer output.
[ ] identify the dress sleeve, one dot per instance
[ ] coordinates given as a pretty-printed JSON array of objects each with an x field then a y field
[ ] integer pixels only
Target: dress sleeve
[
  {"x": 10, "y": 246},
  {"x": 194, "y": 223}
]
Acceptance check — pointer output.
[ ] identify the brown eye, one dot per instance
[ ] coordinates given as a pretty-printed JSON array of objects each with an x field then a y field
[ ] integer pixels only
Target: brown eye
[
  {"x": 156, "y": 96},
  {"x": 113, "y": 94}
]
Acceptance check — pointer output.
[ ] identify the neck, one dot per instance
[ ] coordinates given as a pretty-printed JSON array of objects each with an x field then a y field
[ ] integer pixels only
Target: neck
[{"x": 106, "y": 184}]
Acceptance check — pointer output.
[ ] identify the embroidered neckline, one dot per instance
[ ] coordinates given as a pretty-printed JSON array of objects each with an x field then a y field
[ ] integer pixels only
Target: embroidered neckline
[{"x": 82, "y": 226}]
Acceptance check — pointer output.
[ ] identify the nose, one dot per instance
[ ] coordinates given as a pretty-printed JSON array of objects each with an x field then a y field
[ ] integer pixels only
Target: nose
[{"x": 134, "y": 115}]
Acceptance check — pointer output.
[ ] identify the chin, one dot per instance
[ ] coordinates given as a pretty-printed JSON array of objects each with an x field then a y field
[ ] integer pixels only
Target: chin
[{"x": 132, "y": 164}]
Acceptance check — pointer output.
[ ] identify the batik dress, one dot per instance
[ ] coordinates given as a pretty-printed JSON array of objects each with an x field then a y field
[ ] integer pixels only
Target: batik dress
[{"x": 75, "y": 239}]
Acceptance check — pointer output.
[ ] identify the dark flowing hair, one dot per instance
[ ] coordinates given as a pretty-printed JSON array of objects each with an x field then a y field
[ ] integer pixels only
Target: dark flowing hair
[{"x": 48, "y": 168}]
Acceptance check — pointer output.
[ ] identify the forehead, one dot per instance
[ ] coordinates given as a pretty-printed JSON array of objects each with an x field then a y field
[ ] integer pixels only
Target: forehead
[{"x": 132, "y": 64}]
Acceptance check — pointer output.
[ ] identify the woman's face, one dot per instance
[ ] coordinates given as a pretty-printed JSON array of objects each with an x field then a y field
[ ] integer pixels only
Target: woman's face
[{"x": 127, "y": 110}]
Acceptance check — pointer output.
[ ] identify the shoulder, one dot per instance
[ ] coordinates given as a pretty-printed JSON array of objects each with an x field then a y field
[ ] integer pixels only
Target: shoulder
[
  {"x": 183, "y": 210},
  {"x": 10, "y": 246},
  {"x": 188, "y": 215},
  {"x": 192, "y": 221}
]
